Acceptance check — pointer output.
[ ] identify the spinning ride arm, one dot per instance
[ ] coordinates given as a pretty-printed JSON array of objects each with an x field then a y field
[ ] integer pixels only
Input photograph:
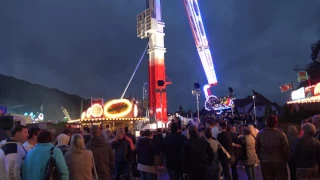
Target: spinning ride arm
[{"x": 199, "y": 34}]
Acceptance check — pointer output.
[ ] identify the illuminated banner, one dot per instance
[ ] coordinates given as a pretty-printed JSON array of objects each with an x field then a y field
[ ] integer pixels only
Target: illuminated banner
[{"x": 298, "y": 94}]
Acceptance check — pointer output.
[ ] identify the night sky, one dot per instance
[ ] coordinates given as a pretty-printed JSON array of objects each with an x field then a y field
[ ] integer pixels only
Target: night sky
[{"x": 90, "y": 48}]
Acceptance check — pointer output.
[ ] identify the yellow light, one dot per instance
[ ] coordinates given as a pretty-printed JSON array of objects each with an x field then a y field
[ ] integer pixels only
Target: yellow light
[
  {"x": 135, "y": 111},
  {"x": 117, "y": 108},
  {"x": 313, "y": 99},
  {"x": 73, "y": 121},
  {"x": 316, "y": 90},
  {"x": 83, "y": 115},
  {"x": 96, "y": 110},
  {"x": 88, "y": 114}
]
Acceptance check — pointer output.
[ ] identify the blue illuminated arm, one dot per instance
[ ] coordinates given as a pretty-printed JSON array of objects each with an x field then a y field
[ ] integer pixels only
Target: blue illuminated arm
[{"x": 201, "y": 41}]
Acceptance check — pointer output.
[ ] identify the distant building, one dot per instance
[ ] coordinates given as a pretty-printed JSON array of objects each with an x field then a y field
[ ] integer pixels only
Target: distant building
[{"x": 246, "y": 106}]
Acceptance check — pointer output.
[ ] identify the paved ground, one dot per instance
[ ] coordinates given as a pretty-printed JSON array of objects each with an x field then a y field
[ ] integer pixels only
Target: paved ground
[{"x": 162, "y": 175}]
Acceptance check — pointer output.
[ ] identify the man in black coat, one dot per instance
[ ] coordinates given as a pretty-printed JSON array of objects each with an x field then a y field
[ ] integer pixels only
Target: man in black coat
[
  {"x": 197, "y": 156},
  {"x": 172, "y": 147}
]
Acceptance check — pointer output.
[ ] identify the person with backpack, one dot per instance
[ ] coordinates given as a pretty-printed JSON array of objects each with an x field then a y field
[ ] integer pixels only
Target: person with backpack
[
  {"x": 41, "y": 161},
  {"x": 12, "y": 153}
]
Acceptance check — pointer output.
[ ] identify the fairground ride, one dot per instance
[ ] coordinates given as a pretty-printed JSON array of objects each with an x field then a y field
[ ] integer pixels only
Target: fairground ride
[{"x": 151, "y": 26}]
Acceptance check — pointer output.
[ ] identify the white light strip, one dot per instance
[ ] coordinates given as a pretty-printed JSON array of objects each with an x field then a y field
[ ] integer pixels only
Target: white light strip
[
  {"x": 201, "y": 40},
  {"x": 205, "y": 89}
]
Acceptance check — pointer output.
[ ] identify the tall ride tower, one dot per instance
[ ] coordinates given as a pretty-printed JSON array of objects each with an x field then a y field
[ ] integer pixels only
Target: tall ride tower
[{"x": 150, "y": 25}]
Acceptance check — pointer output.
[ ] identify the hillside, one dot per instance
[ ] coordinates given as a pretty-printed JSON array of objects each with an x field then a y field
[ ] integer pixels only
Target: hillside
[{"x": 21, "y": 96}]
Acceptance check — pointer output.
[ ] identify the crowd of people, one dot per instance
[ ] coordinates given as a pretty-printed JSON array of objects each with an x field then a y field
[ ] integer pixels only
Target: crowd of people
[{"x": 207, "y": 151}]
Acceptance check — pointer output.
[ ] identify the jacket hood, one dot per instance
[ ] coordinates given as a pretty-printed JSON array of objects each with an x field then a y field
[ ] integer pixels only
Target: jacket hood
[
  {"x": 97, "y": 141},
  {"x": 63, "y": 139}
]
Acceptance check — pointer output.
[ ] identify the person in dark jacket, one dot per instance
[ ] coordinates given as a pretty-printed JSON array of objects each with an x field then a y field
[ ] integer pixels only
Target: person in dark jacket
[
  {"x": 86, "y": 134},
  {"x": 292, "y": 136},
  {"x": 134, "y": 140},
  {"x": 123, "y": 154},
  {"x": 146, "y": 152},
  {"x": 130, "y": 135},
  {"x": 172, "y": 148},
  {"x": 307, "y": 153},
  {"x": 236, "y": 141},
  {"x": 197, "y": 156},
  {"x": 225, "y": 139},
  {"x": 273, "y": 150},
  {"x": 102, "y": 153},
  {"x": 158, "y": 139}
]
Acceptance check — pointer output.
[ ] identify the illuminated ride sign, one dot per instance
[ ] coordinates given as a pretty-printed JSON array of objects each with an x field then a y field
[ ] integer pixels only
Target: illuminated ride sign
[
  {"x": 117, "y": 108},
  {"x": 113, "y": 109},
  {"x": 298, "y": 94}
]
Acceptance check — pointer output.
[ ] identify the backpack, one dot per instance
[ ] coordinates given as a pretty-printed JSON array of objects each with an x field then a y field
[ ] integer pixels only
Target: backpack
[{"x": 51, "y": 172}]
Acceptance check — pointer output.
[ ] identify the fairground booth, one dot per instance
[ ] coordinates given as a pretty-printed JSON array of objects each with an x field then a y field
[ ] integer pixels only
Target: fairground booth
[
  {"x": 116, "y": 113},
  {"x": 310, "y": 94}
]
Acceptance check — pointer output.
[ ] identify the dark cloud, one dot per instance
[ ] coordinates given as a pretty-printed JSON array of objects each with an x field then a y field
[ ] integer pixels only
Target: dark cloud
[{"x": 90, "y": 48}]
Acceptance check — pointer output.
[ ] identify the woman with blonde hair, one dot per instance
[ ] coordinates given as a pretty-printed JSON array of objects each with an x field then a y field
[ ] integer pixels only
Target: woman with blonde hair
[
  {"x": 249, "y": 156},
  {"x": 79, "y": 160}
]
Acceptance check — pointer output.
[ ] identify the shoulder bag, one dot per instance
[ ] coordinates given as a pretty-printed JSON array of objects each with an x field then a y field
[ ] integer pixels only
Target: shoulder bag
[{"x": 51, "y": 172}]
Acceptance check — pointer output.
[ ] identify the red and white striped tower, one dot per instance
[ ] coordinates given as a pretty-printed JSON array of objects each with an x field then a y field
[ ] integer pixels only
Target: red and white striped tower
[{"x": 150, "y": 25}]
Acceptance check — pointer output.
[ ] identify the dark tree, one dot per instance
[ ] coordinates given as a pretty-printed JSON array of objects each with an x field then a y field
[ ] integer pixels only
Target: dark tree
[
  {"x": 315, "y": 52},
  {"x": 313, "y": 68}
]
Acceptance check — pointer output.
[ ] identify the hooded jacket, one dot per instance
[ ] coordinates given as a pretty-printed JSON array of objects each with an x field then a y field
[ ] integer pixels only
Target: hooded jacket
[
  {"x": 63, "y": 141},
  {"x": 12, "y": 155},
  {"x": 103, "y": 156}
]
